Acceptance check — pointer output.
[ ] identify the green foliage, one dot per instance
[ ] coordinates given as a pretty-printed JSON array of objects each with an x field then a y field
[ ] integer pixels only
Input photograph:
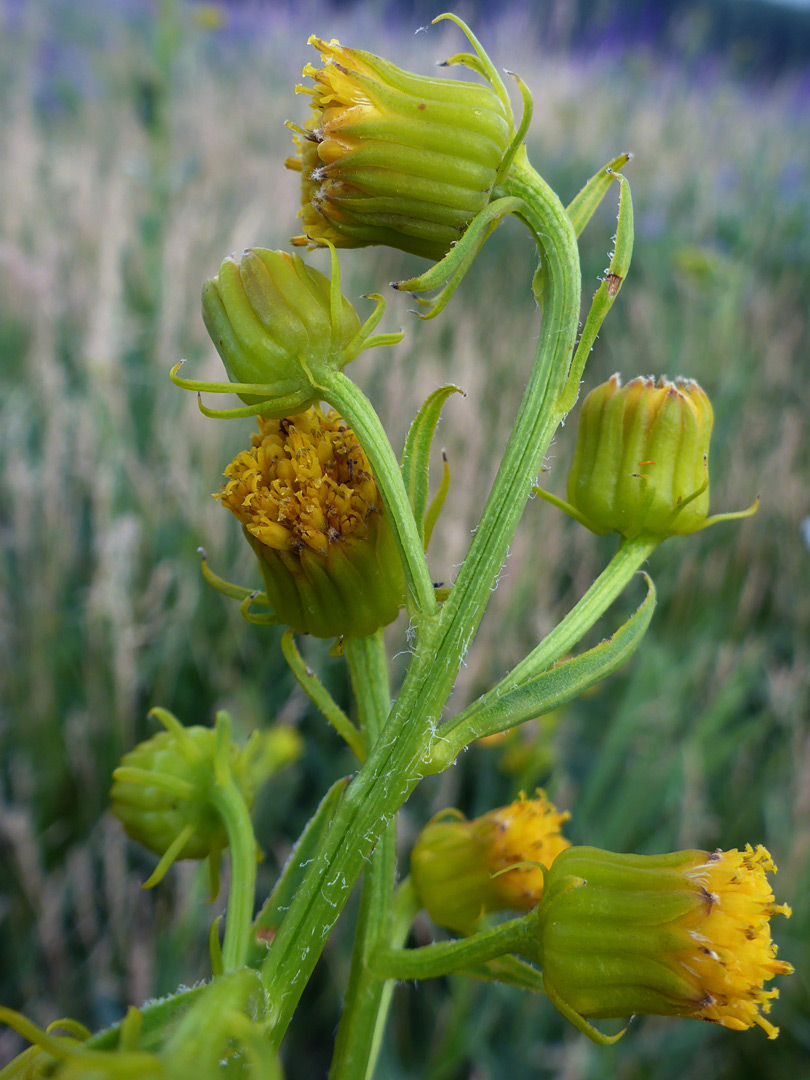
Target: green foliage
[{"x": 111, "y": 219}]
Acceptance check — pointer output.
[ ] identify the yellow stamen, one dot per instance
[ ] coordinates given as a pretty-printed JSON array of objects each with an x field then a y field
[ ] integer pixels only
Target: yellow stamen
[{"x": 733, "y": 954}]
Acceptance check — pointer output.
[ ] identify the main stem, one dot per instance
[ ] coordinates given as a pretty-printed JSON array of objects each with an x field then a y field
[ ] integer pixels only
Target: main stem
[
  {"x": 356, "y": 1045},
  {"x": 396, "y": 763}
]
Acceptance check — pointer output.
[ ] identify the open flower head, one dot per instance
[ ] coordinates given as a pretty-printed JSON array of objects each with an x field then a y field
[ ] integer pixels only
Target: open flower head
[
  {"x": 686, "y": 934},
  {"x": 312, "y": 513},
  {"x": 461, "y": 869},
  {"x": 392, "y": 158}
]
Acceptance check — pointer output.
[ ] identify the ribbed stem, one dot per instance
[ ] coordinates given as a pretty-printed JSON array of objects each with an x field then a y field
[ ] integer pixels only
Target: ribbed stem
[
  {"x": 394, "y": 766},
  {"x": 355, "y": 1046}
]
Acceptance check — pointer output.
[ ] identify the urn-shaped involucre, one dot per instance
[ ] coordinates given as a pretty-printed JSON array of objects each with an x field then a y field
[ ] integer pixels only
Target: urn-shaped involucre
[
  {"x": 641, "y": 463},
  {"x": 392, "y": 158}
]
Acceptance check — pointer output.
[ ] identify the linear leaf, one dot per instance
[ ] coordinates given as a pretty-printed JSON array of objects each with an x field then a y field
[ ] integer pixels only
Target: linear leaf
[{"x": 416, "y": 455}]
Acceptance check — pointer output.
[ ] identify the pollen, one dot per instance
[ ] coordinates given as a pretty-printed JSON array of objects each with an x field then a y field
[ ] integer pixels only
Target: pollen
[
  {"x": 305, "y": 482},
  {"x": 526, "y": 833},
  {"x": 733, "y": 955}
]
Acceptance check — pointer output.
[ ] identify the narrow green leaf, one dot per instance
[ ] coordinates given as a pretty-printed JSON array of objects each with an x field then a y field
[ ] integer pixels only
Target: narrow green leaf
[
  {"x": 605, "y": 295},
  {"x": 582, "y": 208},
  {"x": 304, "y": 852},
  {"x": 504, "y": 706},
  {"x": 416, "y": 455}
]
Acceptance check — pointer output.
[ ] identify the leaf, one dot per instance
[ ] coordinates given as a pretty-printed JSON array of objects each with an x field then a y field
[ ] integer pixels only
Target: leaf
[
  {"x": 500, "y": 709},
  {"x": 305, "y": 850},
  {"x": 416, "y": 455},
  {"x": 582, "y": 208}
]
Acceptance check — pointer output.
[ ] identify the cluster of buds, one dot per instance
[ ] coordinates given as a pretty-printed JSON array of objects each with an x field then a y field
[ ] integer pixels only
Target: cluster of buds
[
  {"x": 462, "y": 869},
  {"x": 311, "y": 511},
  {"x": 685, "y": 934}
]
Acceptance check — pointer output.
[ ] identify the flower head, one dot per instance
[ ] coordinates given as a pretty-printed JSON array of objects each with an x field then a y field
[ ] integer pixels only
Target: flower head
[
  {"x": 394, "y": 158},
  {"x": 312, "y": 513},
  {"x": 686, "y": 934},
  {"x": 463, "y": 869},
  {"x": 641, "y": 463}
]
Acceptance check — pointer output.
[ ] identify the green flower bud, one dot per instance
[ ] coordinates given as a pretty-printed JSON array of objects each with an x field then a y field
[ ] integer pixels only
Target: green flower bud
[
  {"x": 684, "y": 934},
  {"x": 270, "y": 318},
  {"x": 641, "y": 463},
  {"x": 393, "y": 158},
  {"x": 313, "y": 515},
  {"x": 461, "y": 869},
  {"x": 162, "y": 790}
]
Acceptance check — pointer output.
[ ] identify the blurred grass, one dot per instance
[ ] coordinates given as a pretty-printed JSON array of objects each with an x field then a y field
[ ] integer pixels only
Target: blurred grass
[{"x": 138, "y": 146}]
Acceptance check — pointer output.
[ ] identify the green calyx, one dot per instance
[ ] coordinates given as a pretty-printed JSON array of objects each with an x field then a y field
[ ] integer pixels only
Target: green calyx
[
  {"x": 641, "y": 462},
  {"x": 166, "y": 790},
  {"x": 281, "y": 328},
  {"x": 393, "y": 158},
  {"x": 353, "y": 589}
]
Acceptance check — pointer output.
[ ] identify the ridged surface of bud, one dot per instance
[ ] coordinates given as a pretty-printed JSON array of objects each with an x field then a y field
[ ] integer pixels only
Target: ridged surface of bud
[
  {"x": 460, "y": 868},
  {"x": 684, "y": 934},
  {"x": 312, "y": 513},
  {"x": 641, "y": 461},
  {"x": 154, "y": 815},
  {"x": 269, "y": 316},
  {"x": 394, "y": 158}
]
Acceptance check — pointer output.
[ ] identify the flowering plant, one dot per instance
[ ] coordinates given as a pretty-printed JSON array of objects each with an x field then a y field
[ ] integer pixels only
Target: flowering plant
[{"x": 340, "y": 528}]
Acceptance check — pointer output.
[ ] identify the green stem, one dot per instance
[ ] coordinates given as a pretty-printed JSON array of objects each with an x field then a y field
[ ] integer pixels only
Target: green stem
[
  {"x": 233, "y": 810},
  {"x": 447, "y": 957},
  {"x": 396, "y": 763},
  {"x": 629, "y": 557},
  {"x": 362, "y": 1017},
  {"x": 350, "y": 401}
]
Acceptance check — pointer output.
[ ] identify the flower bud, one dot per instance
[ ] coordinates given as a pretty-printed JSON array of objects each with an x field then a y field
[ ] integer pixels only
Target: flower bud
[
  {"x": 460, "y": 869},
  {"x": 685, "y": 934},
  {"x": 270, "y": 318},
  {"x": 641, "y": 463},
  {"x": 312, "y": 513},
  {"x": 394, "y": 158},
  {"x": 162, "y": 789}
]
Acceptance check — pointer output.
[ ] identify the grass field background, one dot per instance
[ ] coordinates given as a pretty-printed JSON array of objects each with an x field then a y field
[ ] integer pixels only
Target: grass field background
[{"x": 139, "y": 144}]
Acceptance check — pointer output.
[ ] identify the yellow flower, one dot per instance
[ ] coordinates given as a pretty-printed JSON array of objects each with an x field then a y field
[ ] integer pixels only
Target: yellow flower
[
  {"x": 394, "y": 158},
  {"x": 461, "y": 869},
  {"x": 685, "y": 934},
  {"x": 312, "y": 513}
]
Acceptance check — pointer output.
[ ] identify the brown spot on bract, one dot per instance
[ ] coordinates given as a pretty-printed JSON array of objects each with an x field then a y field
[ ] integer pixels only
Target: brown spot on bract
[
  {"x": 421, "y": 105},
  {"x": 266, "y": 934},
  {"x": 614, "y": 283}
]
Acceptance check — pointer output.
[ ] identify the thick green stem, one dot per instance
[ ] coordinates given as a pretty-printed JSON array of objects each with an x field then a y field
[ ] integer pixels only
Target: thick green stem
[
  {"x": 447, "y": 957},
  {"x": 356, "y": 1046},
  {"x": 396, "y": 764}
]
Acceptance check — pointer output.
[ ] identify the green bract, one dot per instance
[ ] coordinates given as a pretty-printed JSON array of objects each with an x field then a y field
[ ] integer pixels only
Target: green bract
[{"x": 269, "y": 316}]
